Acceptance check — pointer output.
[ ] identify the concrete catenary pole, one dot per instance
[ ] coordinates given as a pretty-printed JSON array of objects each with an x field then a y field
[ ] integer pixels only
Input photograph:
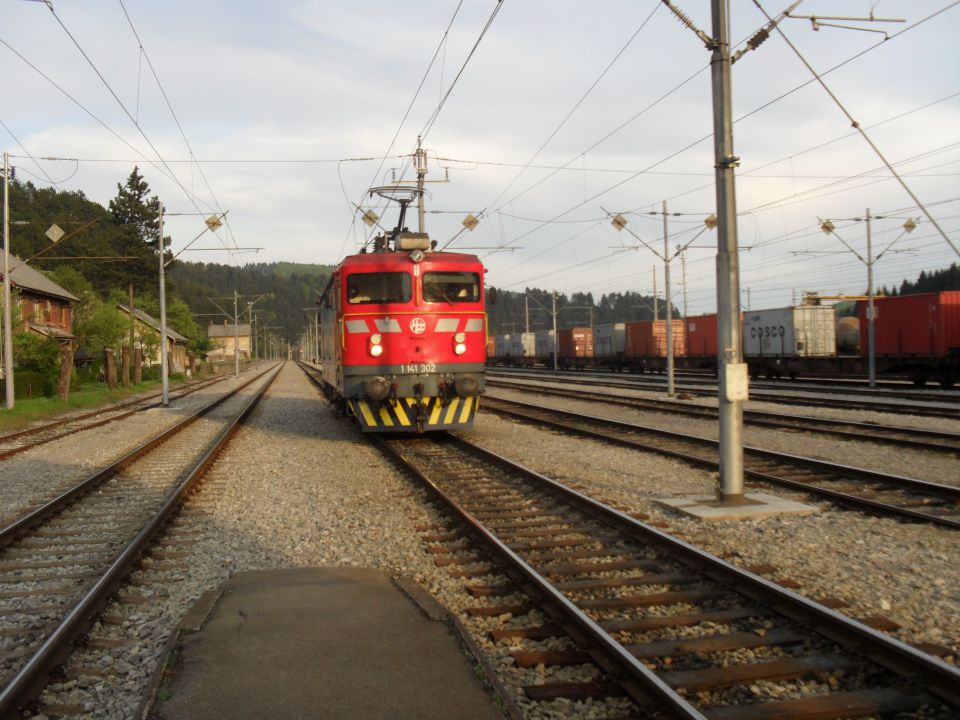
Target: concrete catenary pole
[
  {"x": 732, "y": 371},
  {"x": 7, "y": 313},
  {"x": 871, "y": 315},
  {"x": 666, "y": 283},
  {"x": 421, "y": 161},
  {"x": 236, "y": 338},
  {"x": 164, "y": 380},
  {"x": 555, "y": 338}
]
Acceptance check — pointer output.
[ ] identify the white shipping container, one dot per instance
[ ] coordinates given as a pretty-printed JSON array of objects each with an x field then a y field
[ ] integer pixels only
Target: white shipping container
[
  {"x": 544, "y": 343},
  {"x": 528, "y": 345},
  {"x": 608, "y": 340},
  {"x": 802, "y": 331}
]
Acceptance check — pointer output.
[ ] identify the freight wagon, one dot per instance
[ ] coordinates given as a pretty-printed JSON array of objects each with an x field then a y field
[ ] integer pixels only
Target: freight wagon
[{"x": 916, "y": 335}]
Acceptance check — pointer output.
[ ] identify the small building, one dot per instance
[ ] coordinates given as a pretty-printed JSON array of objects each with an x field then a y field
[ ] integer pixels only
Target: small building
[
  {"x": 228, "y": 340},
  {"x": 44, "y": 307},
  {"x": 146, "y": 334}
]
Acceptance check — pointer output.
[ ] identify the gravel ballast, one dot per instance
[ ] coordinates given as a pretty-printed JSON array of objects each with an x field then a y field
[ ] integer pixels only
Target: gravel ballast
[{"x": 299, "y": 487}]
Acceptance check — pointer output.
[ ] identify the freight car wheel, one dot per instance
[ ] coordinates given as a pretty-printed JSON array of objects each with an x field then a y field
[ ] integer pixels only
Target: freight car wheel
[{"x": 920, "y": 380}]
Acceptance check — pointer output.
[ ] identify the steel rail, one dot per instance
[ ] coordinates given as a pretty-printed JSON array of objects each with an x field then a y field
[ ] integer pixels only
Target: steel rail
[
  {"x": 660, "y": 690},
  {"x": 55, "y": 647},
  {"x": 761, "y": 396},
  {"x": 938, "y": 677},
  {"x": 898, "y": 655},
  {"x": 937, "y": 440},
  {"x": 192, "y": 388},
  {"x": 922, "y": 486},
  {"x": 42, "y": 512}
]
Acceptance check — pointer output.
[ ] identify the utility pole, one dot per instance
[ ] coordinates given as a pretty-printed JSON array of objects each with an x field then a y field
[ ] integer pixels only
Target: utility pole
[
  {"x": 830, "y": 229},
  {"x": 7, "y": 314},
  {"x": 236, "y": 338},
  {"x": 682, "y": 252},
  {"x": 732, "y": 370},
  {"x": 666, "y": 283},
  {"x": 132, "y": 326},
  {"x": 555, "y": 368},
  {"x": 164, "y": 380},
  {"x": 421, "y": 163},
  {"x": 656, "y": 305},
  {"x": 526, "y": 312}
]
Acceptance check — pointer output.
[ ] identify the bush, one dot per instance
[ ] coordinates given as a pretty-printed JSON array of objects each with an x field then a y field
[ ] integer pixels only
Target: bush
[{"x": 31, "y": 383}]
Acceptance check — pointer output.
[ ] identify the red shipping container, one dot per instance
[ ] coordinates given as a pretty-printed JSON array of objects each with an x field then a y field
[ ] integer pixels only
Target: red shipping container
[
  {"x": 575, "y": 342},
  {"x": 702, "y": 335},
  {"x": 927, "y": 324},
  {"x": 648, "y": 338}
]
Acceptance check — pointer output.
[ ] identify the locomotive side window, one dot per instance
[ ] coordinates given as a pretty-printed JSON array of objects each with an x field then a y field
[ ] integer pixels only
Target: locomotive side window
[
  {"x": 451, "y": 287},
  {"x": 387, "y": 287}
]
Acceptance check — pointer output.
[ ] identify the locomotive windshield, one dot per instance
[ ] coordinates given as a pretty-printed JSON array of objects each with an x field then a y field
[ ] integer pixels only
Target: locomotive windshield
[
  {"x": 451, "y": 287},
  {"x": 385, "y": 287}
]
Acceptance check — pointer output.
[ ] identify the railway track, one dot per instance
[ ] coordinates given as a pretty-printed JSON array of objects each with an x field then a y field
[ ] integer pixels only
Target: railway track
[
  {"x": 18, "y": 442},
  {"x": 865, "y": 490},
  {"x": 60, "y": 563},
  {"x": 681, "y": 632},
  {"x": 933, "y": 440},
  {"x": 786, "y": 395}
]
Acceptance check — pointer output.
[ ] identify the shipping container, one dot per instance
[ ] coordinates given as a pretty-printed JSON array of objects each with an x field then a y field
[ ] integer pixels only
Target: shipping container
[
  {"x": 702, "y": 335},
  {"x": 502, "y": 347},
  {"x": 801, "y": 331},
  {"x": 575, "y": 342},
  {"x": 927, "y": 324},
  {"x": 608, "y": 340},
  {"x": 648, "y": 338},
  {"x": 528, "y": 345},
  {"x": 491, "y": 346},
  {"x": 544, "y": 343}
]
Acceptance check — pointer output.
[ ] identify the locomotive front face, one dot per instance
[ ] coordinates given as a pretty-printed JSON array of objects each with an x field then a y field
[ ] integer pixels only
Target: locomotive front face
[{"x": 413, "y": 340}]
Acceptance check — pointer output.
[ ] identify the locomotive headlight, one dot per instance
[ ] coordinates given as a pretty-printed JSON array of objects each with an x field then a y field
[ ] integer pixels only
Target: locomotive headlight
[
  {"x": 460, "y": 337},
  {"x": 375, "y": 339},
  {"x": 376, "y": 349},
  {"x": 459, "y": 348}
]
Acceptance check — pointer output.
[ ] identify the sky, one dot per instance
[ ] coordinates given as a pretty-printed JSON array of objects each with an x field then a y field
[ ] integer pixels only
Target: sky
[{"x": 555, "y": 117}]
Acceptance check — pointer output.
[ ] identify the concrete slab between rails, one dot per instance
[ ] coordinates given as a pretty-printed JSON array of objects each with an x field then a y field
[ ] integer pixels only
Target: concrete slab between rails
[
  {"x": 754, "y": 505},
  {"x": 320, "y": 643}
]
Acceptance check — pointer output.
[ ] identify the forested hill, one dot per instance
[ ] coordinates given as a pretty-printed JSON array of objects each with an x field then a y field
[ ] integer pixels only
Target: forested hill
[
  {"x": 280, "y": 291},
  {"x": 933, "y": 281}
]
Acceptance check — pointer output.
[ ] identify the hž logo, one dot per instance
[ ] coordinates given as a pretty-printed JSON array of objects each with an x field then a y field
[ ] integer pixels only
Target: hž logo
[{"x": 418, "y": 326}]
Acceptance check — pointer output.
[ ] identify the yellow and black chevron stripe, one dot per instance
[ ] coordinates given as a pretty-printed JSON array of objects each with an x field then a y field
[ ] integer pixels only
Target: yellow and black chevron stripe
[{"x": 400, "y": 415}]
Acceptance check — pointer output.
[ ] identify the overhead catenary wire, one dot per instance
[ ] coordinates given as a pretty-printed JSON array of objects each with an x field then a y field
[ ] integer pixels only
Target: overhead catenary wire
[
  {"x": 856, "y": 125},
  {"x": 705, "y": 137},
  {"x": 32, "y": 158},
  {"x": 144, "y": 55},
  {"x": 355, "y": 206},
  {"x": 189, "y": 195}
]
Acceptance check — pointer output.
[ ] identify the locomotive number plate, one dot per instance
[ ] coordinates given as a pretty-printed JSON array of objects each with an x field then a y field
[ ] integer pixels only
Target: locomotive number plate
[{"x": 419, "y": 368}]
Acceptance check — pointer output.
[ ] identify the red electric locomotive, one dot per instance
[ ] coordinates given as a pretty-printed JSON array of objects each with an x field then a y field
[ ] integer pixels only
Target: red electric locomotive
[{"x": 403, "y": 335}]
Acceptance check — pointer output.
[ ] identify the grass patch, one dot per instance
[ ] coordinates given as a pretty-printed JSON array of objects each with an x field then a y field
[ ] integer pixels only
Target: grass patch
[{"x": 30, "y": 410}]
